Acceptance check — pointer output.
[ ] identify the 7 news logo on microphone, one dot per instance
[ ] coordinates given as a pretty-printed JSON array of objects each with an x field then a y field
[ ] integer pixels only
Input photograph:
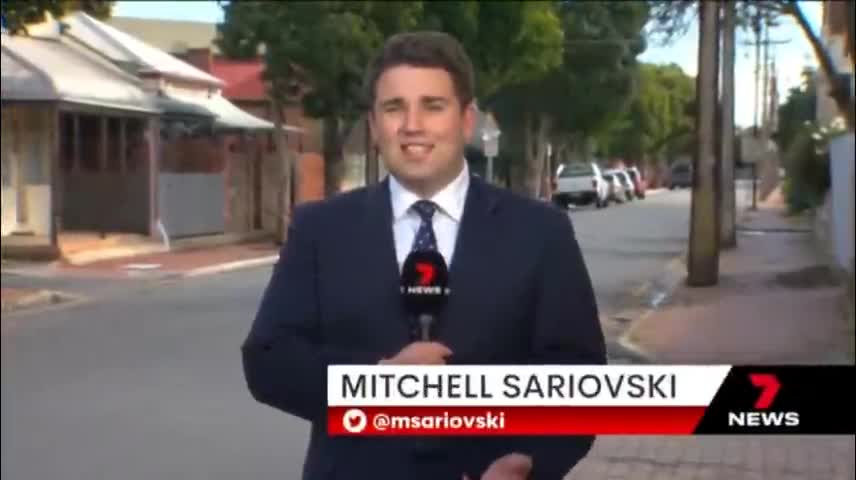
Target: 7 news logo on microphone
[
  {"x": 424, "y": 273},
  {"x": 781, "y": 400},
  {"x": 426, "y": 282}
]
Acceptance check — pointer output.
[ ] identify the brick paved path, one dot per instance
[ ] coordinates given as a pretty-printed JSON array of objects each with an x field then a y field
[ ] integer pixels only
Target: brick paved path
[{"x": 756, "y": 457}]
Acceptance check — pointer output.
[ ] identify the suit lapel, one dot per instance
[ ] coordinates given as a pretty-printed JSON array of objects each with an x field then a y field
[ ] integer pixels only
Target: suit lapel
[
  {"x": 379, "y": 250},
  {"x": 474, "y": 248}
]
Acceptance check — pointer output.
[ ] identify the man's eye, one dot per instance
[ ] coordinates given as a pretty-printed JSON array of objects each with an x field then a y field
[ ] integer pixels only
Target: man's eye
[
  {"x": 392, "y": 108},
  {"x": 435, "y": 107}
]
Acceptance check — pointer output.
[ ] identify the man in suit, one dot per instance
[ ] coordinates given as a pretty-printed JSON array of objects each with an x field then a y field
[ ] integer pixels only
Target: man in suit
[{"x": 521, "y": 293}]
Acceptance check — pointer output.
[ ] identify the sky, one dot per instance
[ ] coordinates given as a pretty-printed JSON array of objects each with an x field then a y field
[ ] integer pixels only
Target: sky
[{"x": 790, "y": 58}]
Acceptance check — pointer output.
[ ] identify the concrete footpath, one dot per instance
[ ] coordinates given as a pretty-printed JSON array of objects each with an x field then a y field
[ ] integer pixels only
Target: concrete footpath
[
  {"x": 776, "y": 303},
  {"x": 34, "y": 282},
  {"x": 184, "y": 263}
]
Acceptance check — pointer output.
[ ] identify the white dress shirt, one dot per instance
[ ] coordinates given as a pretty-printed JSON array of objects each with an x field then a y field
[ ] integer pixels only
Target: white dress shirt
[{"x": 446, "y": 221}]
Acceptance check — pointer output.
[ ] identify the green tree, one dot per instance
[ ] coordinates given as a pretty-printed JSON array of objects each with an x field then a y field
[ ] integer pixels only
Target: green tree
[
  {"x": 798, "y": 108},
  {"x": 327, "y": 46},
  {"x": 17, "y": 14},
  {"x": 658, "y": 120},
  {"x": 324, "y": 46},
  {"x": 577, "y": 100}
]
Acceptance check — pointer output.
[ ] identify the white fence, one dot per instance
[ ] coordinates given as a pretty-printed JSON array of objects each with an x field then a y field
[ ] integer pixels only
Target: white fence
[
  {"x": 842, "y": 199},
  {"x": 191, "y": 203}
]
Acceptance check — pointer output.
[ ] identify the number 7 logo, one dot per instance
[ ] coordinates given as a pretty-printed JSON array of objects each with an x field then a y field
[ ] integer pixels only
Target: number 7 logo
[
  {"x": 769, "y": 385},
  {"x": 426, "y": 272}
]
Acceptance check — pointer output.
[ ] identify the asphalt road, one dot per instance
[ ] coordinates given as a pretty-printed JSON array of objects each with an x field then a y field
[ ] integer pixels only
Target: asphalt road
[{"x": 146, "y": 382}]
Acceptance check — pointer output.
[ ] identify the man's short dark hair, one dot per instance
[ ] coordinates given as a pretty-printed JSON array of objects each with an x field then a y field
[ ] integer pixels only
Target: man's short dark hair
[{"x": 423, "y": 49}]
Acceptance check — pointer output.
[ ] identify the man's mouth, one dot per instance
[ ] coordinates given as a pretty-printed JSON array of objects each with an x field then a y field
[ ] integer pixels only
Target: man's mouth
[{"x": 418, "y": 149}]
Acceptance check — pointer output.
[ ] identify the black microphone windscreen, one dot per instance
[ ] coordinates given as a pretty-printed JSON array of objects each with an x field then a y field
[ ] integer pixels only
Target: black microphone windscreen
[{"x": 424, "y": 282}]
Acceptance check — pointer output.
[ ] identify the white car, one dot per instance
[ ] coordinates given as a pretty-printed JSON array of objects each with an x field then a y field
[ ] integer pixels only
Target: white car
[
  {"x": 579, "y": 184},
  {"x": 627, "y": 189},
  {"x": 617, "y": 191}
]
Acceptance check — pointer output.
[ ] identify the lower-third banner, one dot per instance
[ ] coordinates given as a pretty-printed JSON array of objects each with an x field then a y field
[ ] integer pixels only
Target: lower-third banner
[{"x": 582, "y": 400}]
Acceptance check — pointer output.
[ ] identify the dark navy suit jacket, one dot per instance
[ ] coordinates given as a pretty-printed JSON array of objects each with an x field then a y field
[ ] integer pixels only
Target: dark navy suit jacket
[{"x": 521, "y": 294}]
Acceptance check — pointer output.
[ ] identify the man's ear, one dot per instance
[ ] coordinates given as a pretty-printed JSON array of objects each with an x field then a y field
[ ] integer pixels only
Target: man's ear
[{"x": 469, "y": 120}]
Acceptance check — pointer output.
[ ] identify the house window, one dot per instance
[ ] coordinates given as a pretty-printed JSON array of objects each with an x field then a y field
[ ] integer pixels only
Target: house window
[
  {"x": 114, "y": 153},
  {"x": 135, "y": 144},
  {"x": 66, "y": 141},
  {"x": 90, "y": 143}
]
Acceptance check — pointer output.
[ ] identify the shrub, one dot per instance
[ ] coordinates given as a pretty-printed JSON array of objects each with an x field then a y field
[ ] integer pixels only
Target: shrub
[{"x": 807, "y": 166}]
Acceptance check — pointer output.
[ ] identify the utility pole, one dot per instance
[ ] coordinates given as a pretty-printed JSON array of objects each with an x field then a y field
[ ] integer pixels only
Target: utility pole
[
  {"x": 371, "y": 167},
  {"x": 703, "y": 257},
  {"x": 727, "y": 207},
  {"x": 759, "y": 28}
]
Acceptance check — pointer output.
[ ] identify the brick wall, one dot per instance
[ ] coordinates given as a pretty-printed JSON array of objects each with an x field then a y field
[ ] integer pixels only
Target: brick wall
[
  {"x": 310, "y": 177},
  {"x": 201, "y": 155},
  {"x": 307, "y": 146}
]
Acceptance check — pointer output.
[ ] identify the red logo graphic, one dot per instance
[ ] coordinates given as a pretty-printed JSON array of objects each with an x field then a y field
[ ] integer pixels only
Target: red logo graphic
[
  {"x": 769, "y": 385},
  {"x": 427, "y": 272}
]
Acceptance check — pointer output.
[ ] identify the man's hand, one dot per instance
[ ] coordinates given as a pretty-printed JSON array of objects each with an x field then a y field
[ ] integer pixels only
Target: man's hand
[
  {"x": 514, "y": 466},
  {"x": 420, "y": 353}
]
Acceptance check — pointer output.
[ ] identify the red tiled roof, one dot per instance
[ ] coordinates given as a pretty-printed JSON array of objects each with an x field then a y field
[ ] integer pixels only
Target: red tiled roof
[{"x": 243, "y": 78}]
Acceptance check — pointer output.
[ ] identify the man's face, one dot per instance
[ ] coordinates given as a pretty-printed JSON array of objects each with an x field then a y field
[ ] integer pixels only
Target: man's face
[{"x": 420, "y": 126}]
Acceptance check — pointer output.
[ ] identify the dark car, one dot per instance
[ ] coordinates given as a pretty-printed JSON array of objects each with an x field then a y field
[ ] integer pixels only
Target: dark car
[
  {"x": 638, "y": 182},
  {"x": 681, "y": 176}
]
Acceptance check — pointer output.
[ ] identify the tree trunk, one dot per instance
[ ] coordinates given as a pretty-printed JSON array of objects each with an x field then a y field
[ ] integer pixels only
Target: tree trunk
[
  {"x": 334, "y": 163},
  {"x": 530, "y": 167},
  {"x": 536, "y": 132},
  {"x": 728, "y": 231},
  {"x": 372, "y": 170},
  {"x": 703, "y": 255},
  {"x": 518, "y": 160},
  {"x": 287, "y": 171}
]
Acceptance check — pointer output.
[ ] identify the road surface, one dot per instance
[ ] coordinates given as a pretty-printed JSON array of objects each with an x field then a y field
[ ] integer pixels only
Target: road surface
[{"x": 144, "y": 381}]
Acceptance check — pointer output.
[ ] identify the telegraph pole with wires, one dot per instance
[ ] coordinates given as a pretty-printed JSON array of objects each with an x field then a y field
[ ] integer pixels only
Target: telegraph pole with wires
[
  {"x": 703, "y": 252},
  {"x": 760, "y": 129},
  {"x": 727, "y": 202}
]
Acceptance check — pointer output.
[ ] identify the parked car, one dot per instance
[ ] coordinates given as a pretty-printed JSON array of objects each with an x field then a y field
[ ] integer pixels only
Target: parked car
[
  {"x": 638, "y": 182},
  {"x": 627, "y": 188},
  {"x": 579, "y": 184},
  {"x": 615, "y": 189},
  {"x": 681, "y": 176}
]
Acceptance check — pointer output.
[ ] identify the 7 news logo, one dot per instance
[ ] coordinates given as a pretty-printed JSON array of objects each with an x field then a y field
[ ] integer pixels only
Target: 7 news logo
[
  {"x": 762, "y": 416},
  {"x": 427, "y": 273}
]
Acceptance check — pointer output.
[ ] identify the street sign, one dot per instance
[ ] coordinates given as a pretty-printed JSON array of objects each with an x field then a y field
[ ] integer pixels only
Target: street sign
[
  {"x": 751, "y": 148},
  {"x": 491, "y": 145}
]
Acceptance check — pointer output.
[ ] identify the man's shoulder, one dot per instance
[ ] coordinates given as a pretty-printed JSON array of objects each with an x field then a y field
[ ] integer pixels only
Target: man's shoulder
[
  {"x": 342, "y": 205},
  {"x": 527, "y": 210}
]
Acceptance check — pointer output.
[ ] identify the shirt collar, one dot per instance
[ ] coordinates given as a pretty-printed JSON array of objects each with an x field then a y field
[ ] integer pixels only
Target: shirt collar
[{"x": 450, "y": 199}]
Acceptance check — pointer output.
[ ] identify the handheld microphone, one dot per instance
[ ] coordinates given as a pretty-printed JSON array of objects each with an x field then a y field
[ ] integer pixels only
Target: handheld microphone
[{"x": 424, "y": 288}]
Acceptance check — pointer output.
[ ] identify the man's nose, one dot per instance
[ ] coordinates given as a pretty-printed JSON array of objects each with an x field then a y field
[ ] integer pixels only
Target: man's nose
[{"x": 412, "y": 121}]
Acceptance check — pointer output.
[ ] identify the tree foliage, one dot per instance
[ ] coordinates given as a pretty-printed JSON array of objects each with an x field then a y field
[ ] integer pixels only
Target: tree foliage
[
  {"x": 549, "y": 69},
  {"x": 798, "y": 109},
  {"x": 659, "y": 118},
  {"x": 326, "y": 47},
  {"x": 580, "y": 98},
  {"x": 17, "y": 14}
]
